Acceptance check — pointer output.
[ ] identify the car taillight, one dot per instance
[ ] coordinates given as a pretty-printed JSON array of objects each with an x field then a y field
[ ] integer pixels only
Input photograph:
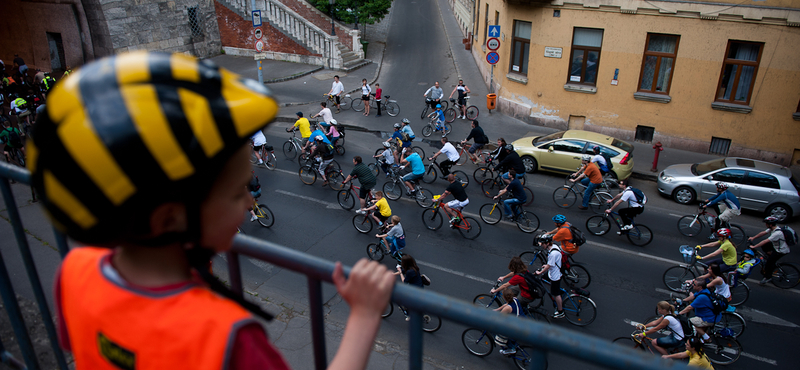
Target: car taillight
[{"x": 626, "y": 158}]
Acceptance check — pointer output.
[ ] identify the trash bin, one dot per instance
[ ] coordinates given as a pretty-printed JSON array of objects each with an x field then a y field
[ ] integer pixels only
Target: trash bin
[
  {"x": 364, "y": 45},
  {"x": 491, "y": 101}
]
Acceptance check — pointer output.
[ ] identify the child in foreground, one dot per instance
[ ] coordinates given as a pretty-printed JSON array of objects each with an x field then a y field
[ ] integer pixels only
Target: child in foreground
[{"x": 159, "y": 141}]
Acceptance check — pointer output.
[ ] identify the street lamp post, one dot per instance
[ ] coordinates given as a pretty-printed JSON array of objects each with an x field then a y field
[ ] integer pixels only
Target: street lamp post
[{"x": 333, "y": 30}]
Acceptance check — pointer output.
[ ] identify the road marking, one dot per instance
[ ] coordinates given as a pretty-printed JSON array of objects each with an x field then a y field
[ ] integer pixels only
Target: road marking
[
  {"x": 454, "y": 272},
  {"x": 639, "y": 254},
  {"x": 327, "y": 205}
]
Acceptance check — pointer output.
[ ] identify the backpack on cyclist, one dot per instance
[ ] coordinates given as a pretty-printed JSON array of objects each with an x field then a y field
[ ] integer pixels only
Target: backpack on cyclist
[
  {"x": 577, "y": 236},
  {"x": 718, "y": 302},
  {"x": 640, "y": 198},
  {"x": 13, "y": 138},
  {"x": 609, "y": 164},
  {"x": 405, "y": 136},
  {"x": 340, "y": 129},
  {"x": 254, "y": 185},
  {"x": 687, "y": 327},
  {"x": 790, "y": 235},
  {"x": 534, "y": 287}
]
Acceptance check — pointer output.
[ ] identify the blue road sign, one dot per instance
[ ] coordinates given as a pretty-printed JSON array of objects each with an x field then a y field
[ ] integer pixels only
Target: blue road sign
[
  {"x": 256, "y": 18},
  {"x": 494, "y": 31},
  {"x": 492, "y": 58}
]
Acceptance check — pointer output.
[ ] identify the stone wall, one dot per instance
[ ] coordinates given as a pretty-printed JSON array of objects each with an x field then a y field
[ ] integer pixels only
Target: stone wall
[{"x": 237, "y": 32}]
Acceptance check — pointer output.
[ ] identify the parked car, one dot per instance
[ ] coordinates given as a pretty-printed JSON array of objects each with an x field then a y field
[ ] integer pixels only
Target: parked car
[
  {"x": 760, "y": 186},
  {"x": 561, "y": 152}
]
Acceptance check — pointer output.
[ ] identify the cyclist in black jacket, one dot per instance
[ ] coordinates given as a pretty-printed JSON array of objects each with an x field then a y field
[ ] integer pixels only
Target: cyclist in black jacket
[{"x": 511, "y": 160}]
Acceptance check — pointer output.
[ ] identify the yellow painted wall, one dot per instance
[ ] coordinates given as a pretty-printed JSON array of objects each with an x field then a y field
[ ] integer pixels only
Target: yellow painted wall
[{"x": 769, "y": 127}]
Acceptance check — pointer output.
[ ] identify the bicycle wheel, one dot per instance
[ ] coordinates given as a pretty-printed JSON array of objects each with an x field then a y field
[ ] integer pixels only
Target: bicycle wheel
[
  {"x": 524, "y": 356},
  {"x": 478, "y": 342},
  {"x": 491, "y": 213},
  {"x": 675, "y": 276},
  {"x": 578, "y": 276},
  {"x": 461, "y": 178},
  {"x": 640, "y": 235},
  {"x": 339, "y": 150},
  {"x": 431, "y": 323},
  {"x": 335, "y": 179},
  {"x": 20, "y": 159},
  {"x": 307, "y": 175},
  {"x": 527, "y": 222},
  {"x": 253, "y": 158},
  {"x": 392, "y": 109},
  {"x": 450, "y": 115},
  {"x": 427, "y": 130},
  {"x": 462, "y": 159},
  {"x": 722, "y": 350},
  {"x": 690, "y": 225},
  {"x": 432, "y": 219},
  {"x": 375, "y": 252},
  {"x": 393, "y": 189},
  {"x": 739, "y": 294},
  {"x": 785, "y": 276},
  {"x": 486, "y": 301},
  {"x": 418, "y": 150},
  {"x": 482, "y": 173},
  {"x": 265, "y": 216},
  {"x": 469, "y": 228},
  {"x": 564, "y": 197},
  {"x": 738, "y": 236},
  {"x": 357, "y": 105},
  {"x": 430, "y": 174},
  {"x": 597, "y": 203},
  {"x": 374, "y": 168},
  {"x": 532, "y": 260},
  {"x": 490, "y": 187},
  {"x": 346, "y": 199},
  {"x": 271, "y": 162},
  {"x": 363, "y": 223},
  {"x": 289, "y": 151},
  {"x": 598, "y": 225},
  {"x": 388, "y": 311},
  {"x": 472, "y": 112},
  {"x": 579, "y": 310},
  {"x": 529, "y": 194},
  {"x": 424, "y": 197},
  {"x": 345, "y": 102},
  {"x": 447, "y": 128},
  {"x": 424, "y": 112},
  {"x": 732, "y": 321}
]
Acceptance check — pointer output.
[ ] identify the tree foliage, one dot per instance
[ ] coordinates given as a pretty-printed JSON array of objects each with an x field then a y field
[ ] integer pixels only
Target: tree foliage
[{"x": 355, "y": 11}]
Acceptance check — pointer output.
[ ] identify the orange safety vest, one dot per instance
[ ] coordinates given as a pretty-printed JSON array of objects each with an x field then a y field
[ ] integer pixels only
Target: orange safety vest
[{"x": 112, "y": 325}]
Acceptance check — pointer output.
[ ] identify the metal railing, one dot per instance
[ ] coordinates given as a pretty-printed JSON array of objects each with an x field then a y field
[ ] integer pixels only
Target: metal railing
[{"x": 544, "y": 338}]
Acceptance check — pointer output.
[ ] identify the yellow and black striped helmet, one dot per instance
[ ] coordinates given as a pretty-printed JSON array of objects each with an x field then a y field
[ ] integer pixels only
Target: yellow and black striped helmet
[{"x": 129, "y": 131}]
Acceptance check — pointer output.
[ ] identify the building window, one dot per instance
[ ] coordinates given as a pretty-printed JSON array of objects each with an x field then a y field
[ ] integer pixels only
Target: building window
[
  {"x": 520, "y": 46},
  {"x": 477, "y": 18},
  {"x": 194, "y": 22},
  {"x": 739, "y": 72},
  {"x": 586, "y": 43},
  {"x": 658, "y": 63},
  {"x": 486, "y": 24},
  {"x": 645, "y": 133},
  {"x": 719, "y": 146}
]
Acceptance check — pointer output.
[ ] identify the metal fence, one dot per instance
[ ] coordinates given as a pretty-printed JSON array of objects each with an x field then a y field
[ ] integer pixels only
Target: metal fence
[{"x": 544, "y": 338}]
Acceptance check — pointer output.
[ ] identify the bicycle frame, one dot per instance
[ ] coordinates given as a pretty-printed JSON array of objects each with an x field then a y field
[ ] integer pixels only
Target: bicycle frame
[{"x": 461, "y": 224}]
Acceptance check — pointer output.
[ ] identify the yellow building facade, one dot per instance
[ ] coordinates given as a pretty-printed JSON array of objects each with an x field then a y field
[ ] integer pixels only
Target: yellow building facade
[{"x": 717, "y": 77}]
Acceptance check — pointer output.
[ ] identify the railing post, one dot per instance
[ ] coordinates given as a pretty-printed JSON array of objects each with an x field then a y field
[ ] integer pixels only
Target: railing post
[
  {"x": 61, "y": 243},
  {"x": 414, "y": 340},
  {"x": 317, "y": 323},
  {"x": 235, "y": 273},
  {"x": 9, "y": 360}
]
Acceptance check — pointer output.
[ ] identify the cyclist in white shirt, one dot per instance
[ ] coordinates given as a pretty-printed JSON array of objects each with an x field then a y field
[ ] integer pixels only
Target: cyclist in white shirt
[
  {"x": 452, "y": 157},
  {"x": 553, "y": 269},
  {"x": 326, "y": 115},
  {"x": 667, "y": 320},
  {"x": 634, "y": 207},
  {"x": 258, "y": 140},
  {"x": 337, "y": 88}
]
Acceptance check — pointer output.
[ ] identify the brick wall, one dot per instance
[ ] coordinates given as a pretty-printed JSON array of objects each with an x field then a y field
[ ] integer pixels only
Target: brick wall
[
  {"x": 237, "y": 32},
  {"x": 322, "y": 21}
]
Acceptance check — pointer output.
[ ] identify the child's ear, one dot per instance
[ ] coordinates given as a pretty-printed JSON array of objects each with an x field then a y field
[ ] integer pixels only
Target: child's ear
[{"x": 168, "y": 217}]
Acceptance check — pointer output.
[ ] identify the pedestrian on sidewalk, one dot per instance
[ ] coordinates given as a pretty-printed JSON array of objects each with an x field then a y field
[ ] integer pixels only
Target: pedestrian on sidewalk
[
  {"x": 337, "y": 88},
  {"x": 463, "y": 90},
  {"x": 365, "y": 91},
  {"x": 378, "y": 92}
]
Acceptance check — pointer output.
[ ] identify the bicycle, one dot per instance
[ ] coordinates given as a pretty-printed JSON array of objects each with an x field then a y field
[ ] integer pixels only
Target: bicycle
[
  {"x": 463, "y": 154},
  {"x": 492, "y": 213},
  {"x": 347, "y": 197},
  {"x": 433, "y": 125},
  {"x": 267, "y": 154},
  {"x": 490, "y": 187},
  {"x": 393, "y": 189},
  {"x": 676, "y": 276},
  {"x": 639, "y": 235},
  {"x": 495, "y": 300},
  {"x": 376, "y": 251},
  {"x": 363, "y": 222},
  {"x": 579, "y": 309},
  {"x": 692, "y": 225},
  {"x": 468, "y": 227},
  {"x": 15, "y": 156},
  {"x": 486, "y": 170},
  {"x": 308, "y": 173},
  {"x": 428, "y": 101},
  {"x": 566, "y": 196},
  {"x": 396, "y": 148},
  {"x": 263, "y": 213},
  {"x": 431, "y": 174},
  {"x": 292, "y": 146},
  {"x": 430, "y": 323},
  {"x": 609, "y": 185},
  {"x": 451, "y": 113},
  {"x": 344, "y": 102},
  {"x": 573, "y": 273},
  {"x": 785, "y": 275},
  {"x": 480, "y": 343},
  {"x": 390, "y": 106}
]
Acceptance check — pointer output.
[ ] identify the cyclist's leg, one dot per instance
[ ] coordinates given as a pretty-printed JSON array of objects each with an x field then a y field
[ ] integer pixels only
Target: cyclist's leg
[
  {"x": 555, "y": 291},
  {"x": 257, "y": 150},
  {"x": 772, "y": 260},
  {"x": 588, "y": 193},
  {"x": 363, "y": 192},
  {"x": 445, "y": 167},
  {"x": 323, "y": 167},
  {"x": 727, "y": 215}
]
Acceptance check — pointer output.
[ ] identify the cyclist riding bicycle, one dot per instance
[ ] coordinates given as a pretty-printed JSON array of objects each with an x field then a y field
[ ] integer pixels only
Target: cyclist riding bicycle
[
  {"x": 463, "y": 91},
  {"x": 304, "y": 126},
  {"x": 333, "y": 132},
  {"x": 499, "y": 153},
  {"x": 479, "y": 139},
  {"x": 553, "y": 270},
  {"x": 694, "y": 352},
  {"x": 513, "y": 306},
  {"x": 395, "y": 238},
  {"x": 317, "y": 133},
  {"x": 20, "y": 107},
  {"x": 254, "y": 187},
  {"x": 511, "y": 160},
  {"x": 259, "y": 140},
  {"x": 325, "y": 113},
  {"x": 436, "y": 95},
  {"x": 716, "y": 279},
  {"x": 725, "y": 204},
  {"x": 599, "y": 160},
  {"x": 518, "y": 195},
  {"x": 439, "y": 119},
  {"x": 417, "y": 170},
  {"x": 452, "y": 157},
  {"x": 461, "y": 200},
  {"x": 382, "y": 206},
  {"x": 386, "y": 157},
  {"x": 774, "y": 246},
  {"x": 563, "y": 235},
  {"x": 635, "y": 206},
  {"x": 397, "y": 140},
  {"x": 12, "y": 138},
  {"x": 325, "y": 152},
  {"x": 666, "y": 320},
  {"x": 590, "y": 177},
  {"x": 727, "y": 260},
  {"x": 337, "y": 89},
  {"x": 365, "y": 176},
  {"x": 409, "y": 132},
  {"x": 702, "y": 306},
  {"x": 516, "y": 281}
]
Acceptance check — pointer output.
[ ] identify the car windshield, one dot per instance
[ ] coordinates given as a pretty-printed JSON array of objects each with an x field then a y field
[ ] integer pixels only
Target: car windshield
[
  {"x": 622, "y": 145},
  {"x": 699, "y": 169},
  {"x": 544, "y": 139}
]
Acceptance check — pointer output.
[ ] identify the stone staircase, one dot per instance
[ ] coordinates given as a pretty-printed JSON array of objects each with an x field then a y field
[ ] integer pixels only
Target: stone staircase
[{"x": 306, "y": 25}]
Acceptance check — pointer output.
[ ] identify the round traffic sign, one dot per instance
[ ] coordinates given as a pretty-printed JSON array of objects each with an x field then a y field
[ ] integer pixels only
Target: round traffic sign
[
  {"x": 257, "y": 32},
  {"x": 492, "y": 58},
  {"x": 493, "y": 43},
  {"x": 259, "y": 46}
]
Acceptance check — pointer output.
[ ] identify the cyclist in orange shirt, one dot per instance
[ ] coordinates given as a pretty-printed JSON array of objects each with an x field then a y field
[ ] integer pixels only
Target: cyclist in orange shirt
[
  {"x": 591, "y": 178},
  {"x": 562, "y": 234}
]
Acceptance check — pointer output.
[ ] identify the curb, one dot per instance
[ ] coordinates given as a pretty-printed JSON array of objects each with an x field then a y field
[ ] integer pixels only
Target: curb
[{"x": 294, "y": 76}]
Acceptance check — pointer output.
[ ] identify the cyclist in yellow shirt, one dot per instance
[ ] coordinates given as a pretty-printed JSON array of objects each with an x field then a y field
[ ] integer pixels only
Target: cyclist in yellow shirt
[
  {"x": 384, "y": 211},
  {"x": 304, "y": 126}
]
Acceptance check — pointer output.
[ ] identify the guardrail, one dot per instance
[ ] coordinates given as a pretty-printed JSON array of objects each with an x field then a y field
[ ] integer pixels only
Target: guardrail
[{"x": 544, "y": 338}]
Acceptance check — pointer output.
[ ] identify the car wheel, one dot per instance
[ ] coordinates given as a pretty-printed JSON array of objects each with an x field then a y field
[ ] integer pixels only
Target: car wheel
[
  {"x": 530, "y": 164},
  {"x": 684, "y": 195},
  {"x": 780, "y": 211}
]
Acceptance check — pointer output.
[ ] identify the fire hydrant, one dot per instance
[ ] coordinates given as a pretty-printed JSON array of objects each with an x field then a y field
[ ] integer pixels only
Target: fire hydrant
[{"x": 658, "y": 148}]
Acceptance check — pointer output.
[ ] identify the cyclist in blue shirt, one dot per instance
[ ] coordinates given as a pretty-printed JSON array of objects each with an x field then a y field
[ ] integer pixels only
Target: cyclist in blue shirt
[
  {"x": 319, "y": 132},
  {"x": 518, "y": 195},
  {"x": 417, "y": 170},
  {"x": 725, "y": 204},
  {"x": 704, "y": 317},
  {"x": 513, "y": 307}
]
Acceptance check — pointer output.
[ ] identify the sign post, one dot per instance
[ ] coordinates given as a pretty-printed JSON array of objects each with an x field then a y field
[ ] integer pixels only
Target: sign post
[
  {"x": 259, "y": 44},
  {"x": 493, "y": 43}
]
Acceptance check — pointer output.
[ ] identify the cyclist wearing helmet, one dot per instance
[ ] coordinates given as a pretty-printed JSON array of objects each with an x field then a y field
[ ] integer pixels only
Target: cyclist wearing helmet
[
  {"x": 591, "y": 178},
  {"x": 333, "y": 132},
  {"x": 599, "y": 160},
  {"x": 325, "y": 113},
  {"x": 325, "y": 152},
  {"x": 553, "y": 270},
  {"x": 387, "y": 157},
  {"x": 407, "y": 129},
  {"x": 436, "y": 95},
  {"x": 480, "y": 139},
  {"x": 175, "y": 182},
  {"x": 439, "y": 119},
  {"x": 726, "y": 251},
  {"x": 774, "y": 246},
  {"x": 744, "y": 267},
  {"x": 511, "y": 160},
  {"x": 397, "y": 141},
  {"x": 562, "y": 234},
  {"x": 725, "y": 204}
]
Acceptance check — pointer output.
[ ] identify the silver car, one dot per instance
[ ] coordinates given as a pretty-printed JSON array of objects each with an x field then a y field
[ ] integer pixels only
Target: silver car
[{"x": 760, "y": 186}]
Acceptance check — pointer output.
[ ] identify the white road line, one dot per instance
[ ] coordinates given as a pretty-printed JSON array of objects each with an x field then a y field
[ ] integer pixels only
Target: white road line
[
  {"x": 328, "y": 205},
  {"x": 639, "y": 254},
  {"x": 759, "y": 358},
  {"x": 454, "y": 272}
]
